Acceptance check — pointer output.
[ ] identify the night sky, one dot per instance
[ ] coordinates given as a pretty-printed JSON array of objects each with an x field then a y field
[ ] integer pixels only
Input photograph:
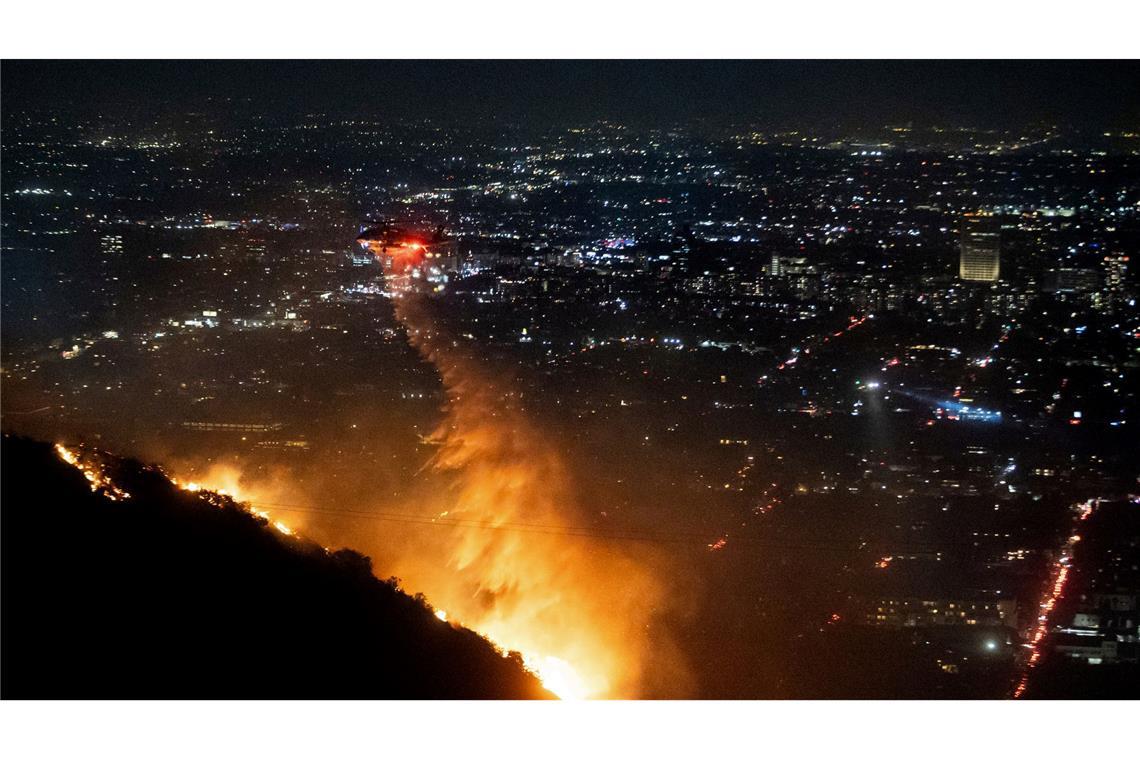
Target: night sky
[
  {"x": 713, "y": 412},
  {"x": 1096, "y": 94}
]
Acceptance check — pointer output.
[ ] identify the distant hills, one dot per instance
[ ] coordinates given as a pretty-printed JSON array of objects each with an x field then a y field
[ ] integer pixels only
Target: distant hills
[{"x": 165, "y": 595}]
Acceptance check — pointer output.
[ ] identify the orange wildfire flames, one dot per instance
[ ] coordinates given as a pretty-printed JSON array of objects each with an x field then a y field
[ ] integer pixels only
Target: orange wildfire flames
[
  {"x": 93, "y": 472},
  {"x": 501, "y": 562},
  {"x": 516, "y": 625},
  {"x": 576, "y": 611},
  {"x": 476, "y": 578},
  {"x": 539, "y": 594}
]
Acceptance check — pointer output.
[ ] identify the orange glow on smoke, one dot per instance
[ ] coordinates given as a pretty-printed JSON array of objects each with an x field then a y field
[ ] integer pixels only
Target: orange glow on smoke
[
  {"x": 506, "y": 631},
  {"x": 576, "y": 610},
  {"x": 225, "y": 480}
]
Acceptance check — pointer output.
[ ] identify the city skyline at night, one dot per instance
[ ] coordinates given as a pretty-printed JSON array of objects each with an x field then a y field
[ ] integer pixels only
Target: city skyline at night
[
  {"x": 771, "y": 381},
  {"x": 294, "y": 302}
]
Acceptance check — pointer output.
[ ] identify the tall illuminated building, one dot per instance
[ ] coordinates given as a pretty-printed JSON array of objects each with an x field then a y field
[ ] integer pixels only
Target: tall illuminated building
[
  {"x": 111, "y": 246},
  {"x": 1116, "y": 280},
  {"x": 980, "y": 255},
  {"x": 1115, "y": 272}
]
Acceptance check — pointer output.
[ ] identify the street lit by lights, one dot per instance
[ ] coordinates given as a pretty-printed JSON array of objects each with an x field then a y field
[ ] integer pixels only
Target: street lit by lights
[{"x": 1056, "y": 589}]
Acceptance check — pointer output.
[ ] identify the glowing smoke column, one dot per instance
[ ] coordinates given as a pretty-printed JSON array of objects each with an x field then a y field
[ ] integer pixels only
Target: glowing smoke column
[{"x": 577, "y": 610}]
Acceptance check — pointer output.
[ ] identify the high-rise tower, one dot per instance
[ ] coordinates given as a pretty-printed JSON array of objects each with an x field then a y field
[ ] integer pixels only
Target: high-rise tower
[{"x": 980, "y": 256}]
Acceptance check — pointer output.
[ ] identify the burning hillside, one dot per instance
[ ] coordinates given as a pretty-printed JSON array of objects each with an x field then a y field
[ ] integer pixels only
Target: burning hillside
[
  {"x": 577, "y": 612},
  {"x": 119, "y": 583}
]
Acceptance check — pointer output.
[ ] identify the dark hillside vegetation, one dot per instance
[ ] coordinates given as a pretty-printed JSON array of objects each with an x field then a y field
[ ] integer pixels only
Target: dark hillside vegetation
[{"x": 164, "y": 595}]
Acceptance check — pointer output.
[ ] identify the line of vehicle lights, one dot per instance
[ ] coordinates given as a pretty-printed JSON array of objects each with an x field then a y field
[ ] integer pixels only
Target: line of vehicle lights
[
  {"x": 797, "y": 352},
  {"x": 1059, "y": 578}
]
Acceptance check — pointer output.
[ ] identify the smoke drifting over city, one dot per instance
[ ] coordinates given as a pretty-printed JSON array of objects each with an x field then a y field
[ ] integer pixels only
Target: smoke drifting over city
[
  {"x": 527, "y": 573},
  {"x": 704, "y": 396}
]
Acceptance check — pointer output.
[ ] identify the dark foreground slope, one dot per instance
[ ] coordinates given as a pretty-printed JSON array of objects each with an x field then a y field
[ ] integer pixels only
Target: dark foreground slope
[{"x": 164, "y": 595}]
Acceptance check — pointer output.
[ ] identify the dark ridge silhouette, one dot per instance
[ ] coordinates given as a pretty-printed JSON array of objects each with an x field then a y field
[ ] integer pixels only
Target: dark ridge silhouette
[{"x": 165, "y": 595}]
